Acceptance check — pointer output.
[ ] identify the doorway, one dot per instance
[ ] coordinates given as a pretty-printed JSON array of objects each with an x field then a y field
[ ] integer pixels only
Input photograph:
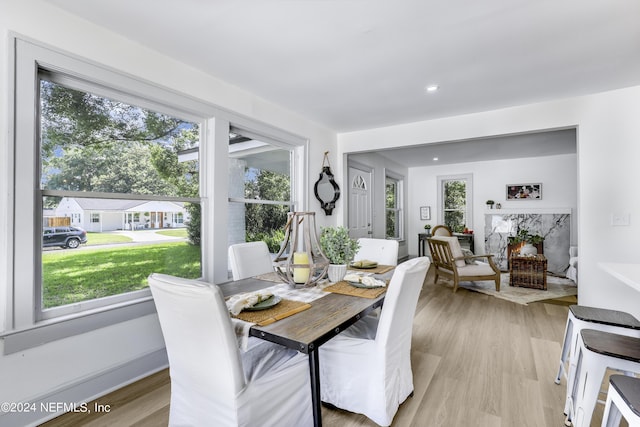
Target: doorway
[{"x": 359, "y": 193}]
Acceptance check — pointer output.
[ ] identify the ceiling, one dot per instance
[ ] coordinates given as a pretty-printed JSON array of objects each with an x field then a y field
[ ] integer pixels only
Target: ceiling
[
  {"x": 360, "y": 64},
  {"x": 541, "y": 144}
]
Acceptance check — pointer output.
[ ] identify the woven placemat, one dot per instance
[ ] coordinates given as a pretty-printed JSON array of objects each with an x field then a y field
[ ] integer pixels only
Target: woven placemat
[
  {"x": 345, "y": 288},
  {"x": 380, "y": 269},
  {"x": 284, "y": 308}
]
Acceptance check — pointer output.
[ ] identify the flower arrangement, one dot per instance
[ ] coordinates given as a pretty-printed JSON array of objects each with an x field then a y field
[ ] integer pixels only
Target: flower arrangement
[
  {"x": 337, "y": 245},
  {"x": 526, "y": 237}
]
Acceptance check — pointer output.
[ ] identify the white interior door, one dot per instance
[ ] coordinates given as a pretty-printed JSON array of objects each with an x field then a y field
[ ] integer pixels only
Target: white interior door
[{"x": 359, "y": 203}]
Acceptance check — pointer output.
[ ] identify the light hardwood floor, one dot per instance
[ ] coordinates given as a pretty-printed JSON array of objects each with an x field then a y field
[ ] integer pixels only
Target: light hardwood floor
[{"x": 477, "y": 361}]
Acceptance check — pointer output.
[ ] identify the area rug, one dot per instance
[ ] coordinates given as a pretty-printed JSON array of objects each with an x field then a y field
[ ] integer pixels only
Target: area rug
[{"x": 557, "y": 287}]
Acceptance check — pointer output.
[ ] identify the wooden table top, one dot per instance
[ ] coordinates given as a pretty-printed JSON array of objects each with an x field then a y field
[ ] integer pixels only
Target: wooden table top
[{"x": 305, "y": 331}]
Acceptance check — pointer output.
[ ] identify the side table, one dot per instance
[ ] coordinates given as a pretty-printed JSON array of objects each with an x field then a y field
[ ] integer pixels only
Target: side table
[{"x": 528, "y": 271}]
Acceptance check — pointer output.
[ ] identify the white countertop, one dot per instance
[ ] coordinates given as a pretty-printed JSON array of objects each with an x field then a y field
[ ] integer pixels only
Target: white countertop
[{"x": 627, "y": 273}]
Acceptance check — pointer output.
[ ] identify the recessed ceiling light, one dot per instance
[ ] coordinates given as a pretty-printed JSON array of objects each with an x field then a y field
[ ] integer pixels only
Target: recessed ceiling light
[
  {"x": 435, "y": 159},
  {"x": 432, "y": 88}
]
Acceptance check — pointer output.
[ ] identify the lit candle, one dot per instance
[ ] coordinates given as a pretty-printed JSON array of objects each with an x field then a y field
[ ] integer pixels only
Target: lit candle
[{"x": 300, "y": 275}]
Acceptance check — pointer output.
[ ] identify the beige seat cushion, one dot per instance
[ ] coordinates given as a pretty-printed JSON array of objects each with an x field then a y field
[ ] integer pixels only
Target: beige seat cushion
[{"x": 475, "y": 270}]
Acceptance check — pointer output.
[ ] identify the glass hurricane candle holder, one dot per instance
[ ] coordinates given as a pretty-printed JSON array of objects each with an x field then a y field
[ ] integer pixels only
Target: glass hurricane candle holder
[{"x": 300, "y": 261}]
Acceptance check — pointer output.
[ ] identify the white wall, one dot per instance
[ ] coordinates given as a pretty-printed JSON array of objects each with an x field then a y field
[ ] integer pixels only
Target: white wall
[
  {"x": 59, "y": 365},
  {"x": 608, "y": 132},
  {"x": 558, "y": 175}
]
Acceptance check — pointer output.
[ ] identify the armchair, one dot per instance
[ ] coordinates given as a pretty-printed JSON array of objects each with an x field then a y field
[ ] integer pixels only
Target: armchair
[
  {"x": 448, "y": 261},
  {"x": 441, "y": 230}
]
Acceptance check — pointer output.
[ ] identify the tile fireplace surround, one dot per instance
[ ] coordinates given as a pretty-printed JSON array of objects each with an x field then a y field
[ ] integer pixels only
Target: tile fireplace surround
[{"x": 553, "y": 224}]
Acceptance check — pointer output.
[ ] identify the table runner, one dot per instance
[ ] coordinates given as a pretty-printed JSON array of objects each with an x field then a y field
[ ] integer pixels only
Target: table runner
[
  {"x": 298, "y": 300},
  {"x": 345, "y": 288}
]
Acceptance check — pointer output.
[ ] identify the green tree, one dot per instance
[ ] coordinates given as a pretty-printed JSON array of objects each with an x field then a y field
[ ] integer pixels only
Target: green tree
[
  {"x": 93, "y": 143},
  {"x": 266, "y": 222},
  {"x": 455, "y": 199}
]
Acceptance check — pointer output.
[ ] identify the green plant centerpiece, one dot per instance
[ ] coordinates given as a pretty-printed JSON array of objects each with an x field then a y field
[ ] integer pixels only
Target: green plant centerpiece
[
  {"x": 525, "y": 243},
  {"x": 337, "y": 245},
  {"x": 524, "y": 236},
  {"x": 339, "y": 248}
]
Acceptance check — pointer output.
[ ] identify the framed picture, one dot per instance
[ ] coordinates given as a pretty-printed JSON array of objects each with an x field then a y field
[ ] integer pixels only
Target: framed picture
[
  {"x": 425, "y": 212},
  {"x": 524, "y": 191}
]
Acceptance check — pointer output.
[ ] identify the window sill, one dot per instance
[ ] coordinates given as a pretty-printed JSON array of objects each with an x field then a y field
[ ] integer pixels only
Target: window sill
[{"x": 67, "y": 326}]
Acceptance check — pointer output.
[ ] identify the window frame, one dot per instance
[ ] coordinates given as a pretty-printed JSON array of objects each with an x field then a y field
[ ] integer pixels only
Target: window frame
[
  {"x": 25, "y": 326},
  {"x": 19, "y": 328},
  {"x": 468, "y": 178},
  {"x": 399, "y": 209}
]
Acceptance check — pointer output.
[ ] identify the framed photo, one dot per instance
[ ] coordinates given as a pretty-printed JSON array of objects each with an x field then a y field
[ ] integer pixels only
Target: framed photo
[
  {"x": 524, "y": 191},
  {"x": 425, "y": 212}
]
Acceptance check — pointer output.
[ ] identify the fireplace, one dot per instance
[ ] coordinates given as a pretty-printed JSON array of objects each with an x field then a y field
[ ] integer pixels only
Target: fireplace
[{"x": 554, "y": 225}]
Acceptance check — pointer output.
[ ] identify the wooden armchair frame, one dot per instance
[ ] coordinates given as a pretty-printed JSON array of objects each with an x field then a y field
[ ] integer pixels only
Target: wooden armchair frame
[{"x": 445, "y": 264}]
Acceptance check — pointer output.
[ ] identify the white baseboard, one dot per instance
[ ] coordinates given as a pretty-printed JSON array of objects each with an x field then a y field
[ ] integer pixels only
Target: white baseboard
[{"x": 85, "y": 390}]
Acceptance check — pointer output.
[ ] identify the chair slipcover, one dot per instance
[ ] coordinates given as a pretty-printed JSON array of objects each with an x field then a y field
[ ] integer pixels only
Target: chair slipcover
[
  {"x": 382, "y": 251},
  {"x": 249, "y": 259},
  {"x": 367, "y": 368},
  {"x": 212, "y": 382}
]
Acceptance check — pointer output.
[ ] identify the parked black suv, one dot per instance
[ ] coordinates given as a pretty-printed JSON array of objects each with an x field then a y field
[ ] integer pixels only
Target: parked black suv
[{"x": 65, "y": 237}]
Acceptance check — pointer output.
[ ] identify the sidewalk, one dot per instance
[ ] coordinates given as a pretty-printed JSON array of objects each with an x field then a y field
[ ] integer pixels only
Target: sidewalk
[{"x": 145, "y": 235}]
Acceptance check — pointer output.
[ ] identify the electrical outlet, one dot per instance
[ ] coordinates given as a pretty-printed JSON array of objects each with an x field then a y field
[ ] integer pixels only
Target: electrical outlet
[{"x": 620, "y": 219}]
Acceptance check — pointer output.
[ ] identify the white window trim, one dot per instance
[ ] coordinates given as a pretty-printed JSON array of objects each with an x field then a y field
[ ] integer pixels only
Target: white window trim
[
  {"x": 469, "y": 199},
  {"x": 21, "y": 330},
  {"x": 400, "y": 203}
]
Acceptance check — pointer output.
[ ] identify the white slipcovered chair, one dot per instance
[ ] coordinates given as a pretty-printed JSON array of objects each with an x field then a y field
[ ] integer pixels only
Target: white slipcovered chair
[
  {"x": 382, "y": 251},
  {"x": 367, "y": 368},
  {"x": 213, "y": 383},
  {"x": 249, "y": 259}
]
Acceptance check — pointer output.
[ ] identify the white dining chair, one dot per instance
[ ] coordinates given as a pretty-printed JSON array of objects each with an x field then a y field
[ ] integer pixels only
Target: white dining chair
[
  {"x": 213, "y": 383},
  {"x": 367, "y": 368},
  {"x": 382, "y": 251},
  {"x": 249, "y": 259}
]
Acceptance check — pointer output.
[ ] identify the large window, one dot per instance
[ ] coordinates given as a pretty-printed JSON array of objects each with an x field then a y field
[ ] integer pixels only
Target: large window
[
  {"x": 260, "y": 188},
  {"x": 110, "y": 159},
  {"x": 101, "y": 200},
  {"x": 393, "y": 207},
  {"x": 118, "y": 162},
  {"x": 455, "y": 197}
]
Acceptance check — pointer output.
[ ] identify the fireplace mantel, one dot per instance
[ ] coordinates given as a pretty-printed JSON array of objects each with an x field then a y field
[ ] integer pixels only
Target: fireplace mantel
[
  {"x": 554, "y": 224},
  {"x": 532, "y": 211}
]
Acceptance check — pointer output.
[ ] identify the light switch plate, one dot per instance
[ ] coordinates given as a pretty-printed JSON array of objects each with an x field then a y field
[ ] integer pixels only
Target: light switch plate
[{"x": 620, "y": 219}]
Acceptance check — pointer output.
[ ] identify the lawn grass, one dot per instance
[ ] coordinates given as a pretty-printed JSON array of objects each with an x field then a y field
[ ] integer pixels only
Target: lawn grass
[
  {"x": 106, "y": 238},
  {"x": 81, "y": 275},
  {"x": 176, "y": 232}
]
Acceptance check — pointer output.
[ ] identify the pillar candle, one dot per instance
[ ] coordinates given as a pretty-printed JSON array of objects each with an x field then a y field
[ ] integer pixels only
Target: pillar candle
[{"x": 300, "y": 275}]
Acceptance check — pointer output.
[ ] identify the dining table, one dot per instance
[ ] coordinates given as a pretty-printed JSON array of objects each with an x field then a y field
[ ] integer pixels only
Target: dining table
[{"x": 307, "y": 330}]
